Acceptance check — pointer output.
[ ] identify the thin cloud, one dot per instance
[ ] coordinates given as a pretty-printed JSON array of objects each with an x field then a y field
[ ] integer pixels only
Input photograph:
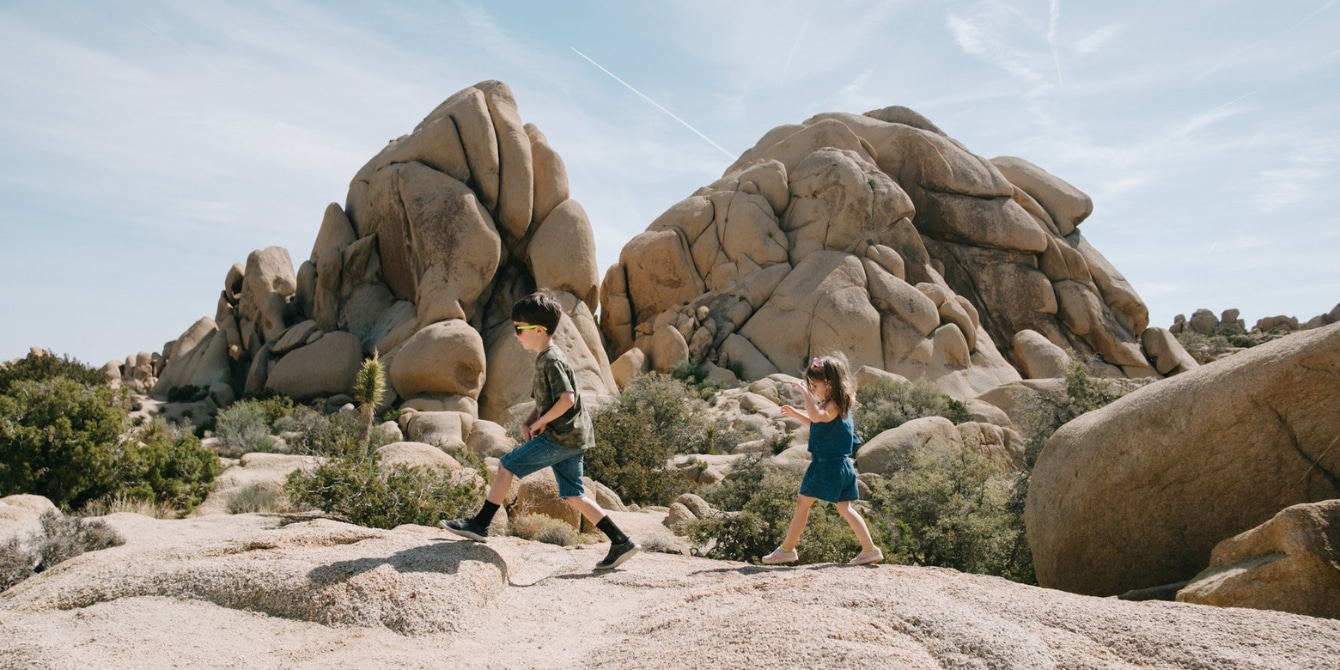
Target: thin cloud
[
  {"x": 1054, "y": 20},
  {"x": 1238, "y": 54},
  {"x": 1097, "y": 39}
]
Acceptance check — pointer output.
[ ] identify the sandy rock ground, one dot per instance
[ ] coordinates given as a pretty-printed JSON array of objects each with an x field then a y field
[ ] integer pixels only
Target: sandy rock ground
[{"x": 256, "y": 591}]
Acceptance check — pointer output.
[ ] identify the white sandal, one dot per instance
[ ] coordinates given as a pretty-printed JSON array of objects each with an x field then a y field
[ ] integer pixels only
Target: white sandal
[{"x": 866, "y": 557}]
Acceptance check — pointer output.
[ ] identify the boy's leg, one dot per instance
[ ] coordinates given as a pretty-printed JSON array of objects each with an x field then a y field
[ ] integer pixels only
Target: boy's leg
[
  {"x": 568, "y": 473},
  {"x": 536, "y": 453}
]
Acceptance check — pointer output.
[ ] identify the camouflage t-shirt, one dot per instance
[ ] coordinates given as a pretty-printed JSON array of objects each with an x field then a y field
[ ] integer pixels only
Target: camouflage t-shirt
[{"x": 554, "y": 377}]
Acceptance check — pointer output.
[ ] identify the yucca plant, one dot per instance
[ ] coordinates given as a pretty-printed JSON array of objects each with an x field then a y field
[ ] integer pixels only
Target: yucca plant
[{"x": 369, "y": 389}]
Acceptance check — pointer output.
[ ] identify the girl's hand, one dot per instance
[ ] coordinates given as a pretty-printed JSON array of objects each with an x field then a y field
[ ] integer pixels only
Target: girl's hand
[
  {"x": 525, "y": 432},
  {"x": 790, "y": 411}
]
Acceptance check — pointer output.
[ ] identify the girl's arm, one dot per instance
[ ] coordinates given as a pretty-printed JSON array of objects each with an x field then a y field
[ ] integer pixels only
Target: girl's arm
[
  {"x": 814, "y": 412},
  {"x": 561, "y": 404}
]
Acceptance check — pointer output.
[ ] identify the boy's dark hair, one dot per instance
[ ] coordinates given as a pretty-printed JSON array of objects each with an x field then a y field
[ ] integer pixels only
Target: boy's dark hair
[{"x": 538, "y": 309}]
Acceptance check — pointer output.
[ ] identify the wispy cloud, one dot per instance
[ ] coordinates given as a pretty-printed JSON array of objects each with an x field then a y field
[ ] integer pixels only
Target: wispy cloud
[
  {"x": 1097, "y": 39},
  {"x": 1310, "y": 171},
  {"x": 1053, "y": 22},
  {"x": 1239, "y": 55},
  {"x": 970, "y": 35}
]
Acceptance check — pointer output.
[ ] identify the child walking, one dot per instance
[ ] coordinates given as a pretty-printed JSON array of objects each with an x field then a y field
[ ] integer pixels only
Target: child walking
[
  {"x": 557, "y": 434},
  {"x": 830, "y": 475}
]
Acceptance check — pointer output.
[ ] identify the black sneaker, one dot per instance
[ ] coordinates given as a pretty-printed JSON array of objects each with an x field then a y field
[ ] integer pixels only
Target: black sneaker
[
  {"x": 467, "y": 528},
  {"x": 618, "y": 554}
]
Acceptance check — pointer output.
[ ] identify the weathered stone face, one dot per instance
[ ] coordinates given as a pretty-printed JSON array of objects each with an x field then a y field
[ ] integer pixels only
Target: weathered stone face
[
  {"x": 441, "y": 232},
  {"x": 915, "y": 214},
  {"x": 1136, "y": 494}
]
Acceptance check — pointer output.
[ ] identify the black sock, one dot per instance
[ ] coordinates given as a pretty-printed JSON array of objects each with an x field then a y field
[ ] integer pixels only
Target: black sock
[
  {"x": 611, "y": 531},
  {"x": 485, "y": 515}
]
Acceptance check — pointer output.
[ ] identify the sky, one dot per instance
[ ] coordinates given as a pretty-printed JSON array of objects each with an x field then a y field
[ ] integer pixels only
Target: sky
[{"x": 147, "y": 146}]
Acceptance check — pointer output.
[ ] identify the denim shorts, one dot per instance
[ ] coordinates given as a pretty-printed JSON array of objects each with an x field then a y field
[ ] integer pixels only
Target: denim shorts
[{"x": 539, "y": 453}]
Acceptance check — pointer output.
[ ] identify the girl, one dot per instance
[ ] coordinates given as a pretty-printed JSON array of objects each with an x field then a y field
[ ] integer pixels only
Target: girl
[{"x": 831, "y": 475}]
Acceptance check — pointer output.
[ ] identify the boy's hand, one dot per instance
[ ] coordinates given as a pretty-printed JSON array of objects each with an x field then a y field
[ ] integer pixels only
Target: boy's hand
[
  {"x": 537, "y": 428},
  {"x": 525, "y": 431}
]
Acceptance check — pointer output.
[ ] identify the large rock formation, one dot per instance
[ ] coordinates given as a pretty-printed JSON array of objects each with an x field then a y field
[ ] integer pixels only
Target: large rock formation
[
  {"x": 1290, "y": 563},
  {"x": 255, "y": 591},
  {"x": 441, "y": 232},
  {"x": 878, "y": 237},
  {"x": 1136, "y": 494}
]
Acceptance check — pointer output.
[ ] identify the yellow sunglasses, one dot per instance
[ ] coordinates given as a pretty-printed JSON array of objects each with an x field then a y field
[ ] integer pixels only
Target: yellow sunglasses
[{"x": 526, "y": 327}]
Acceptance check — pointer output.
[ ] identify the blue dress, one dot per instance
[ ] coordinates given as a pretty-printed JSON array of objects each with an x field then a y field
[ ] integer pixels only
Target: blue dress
[{"x": 831, "y": 475}]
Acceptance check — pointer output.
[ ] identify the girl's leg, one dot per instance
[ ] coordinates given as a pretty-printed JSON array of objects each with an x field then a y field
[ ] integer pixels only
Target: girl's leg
[
  {"x": 857, "y": 525},
  {"x": 798, "y": 521}
]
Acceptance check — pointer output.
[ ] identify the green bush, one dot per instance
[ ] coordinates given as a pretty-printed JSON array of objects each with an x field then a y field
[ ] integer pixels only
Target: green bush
[
  {"x": 61, "y": 538},
  {"x": 948, "y": 510},
  {"x": 58, "y": 439},
  {"x": 64, "y": 440},
  {"x": 244, "y": 427},
  {"x": 162, "y": 465},
  {"x": 758, "y": 505},
  {"x": 360, "y": 492},
  {"x": 888, "y": 403},
  {"x": 35, "y": 368},
  {"x": 308, "y": 431},
  {"x": 653, "y": 419}
]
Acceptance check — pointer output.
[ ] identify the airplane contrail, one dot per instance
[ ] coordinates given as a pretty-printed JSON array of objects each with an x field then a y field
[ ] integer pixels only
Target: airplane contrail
[{"x": 653, "y": 103}]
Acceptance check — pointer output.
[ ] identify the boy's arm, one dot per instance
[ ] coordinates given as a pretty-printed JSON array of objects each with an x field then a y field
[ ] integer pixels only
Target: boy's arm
[{"x": 564, "y": 402}]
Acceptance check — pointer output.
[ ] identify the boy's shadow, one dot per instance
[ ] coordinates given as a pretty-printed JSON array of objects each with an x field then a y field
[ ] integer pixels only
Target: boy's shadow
[{"x": 441, "y": 556}]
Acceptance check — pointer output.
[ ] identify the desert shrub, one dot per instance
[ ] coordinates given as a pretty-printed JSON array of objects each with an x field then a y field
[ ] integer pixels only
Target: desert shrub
[
  {"x": 61, "y": 538},
  {"x": 540, "y": 528},
  {"x": 244, "y": 427},
  {"x": 653, "y": 419},
  {"x": 947, "y": 509},
  {"x": 118, "y": 503},
  {"x": 308, "y": 431},
  {"x": 888, "y": 403},
  {"x": 187, "y": 393},
  {"x": 758, "y": 505},
  {"x": 63, "y": 440},
  {"x": 359, "y": 491},
  {"x": 35, "y": 368},
  {"x": 162, "y": 465},
  {"x": 256, "y": 498},
  {"x": 58, "y": 439}
]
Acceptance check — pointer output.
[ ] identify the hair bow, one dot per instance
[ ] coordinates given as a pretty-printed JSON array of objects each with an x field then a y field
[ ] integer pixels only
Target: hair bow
[{"x": 815, "y": 364}]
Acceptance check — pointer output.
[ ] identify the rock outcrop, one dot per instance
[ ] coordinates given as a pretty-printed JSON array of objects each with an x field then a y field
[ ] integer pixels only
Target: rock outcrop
[
  {"x": 1138, "y": 493},
  {"x": 327, "y": 594},
  {"x": 878, "y": 237},
  {"x": 441, "y": 232},
  {"x": 1290, "y": 563}
]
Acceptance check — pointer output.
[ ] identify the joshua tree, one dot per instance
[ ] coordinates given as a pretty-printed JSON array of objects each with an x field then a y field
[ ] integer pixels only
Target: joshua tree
[{"x": 369, "y": 388}]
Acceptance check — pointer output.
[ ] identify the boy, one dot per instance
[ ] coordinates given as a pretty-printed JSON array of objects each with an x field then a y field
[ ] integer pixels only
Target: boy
[{"x": 557, "y": 433}]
